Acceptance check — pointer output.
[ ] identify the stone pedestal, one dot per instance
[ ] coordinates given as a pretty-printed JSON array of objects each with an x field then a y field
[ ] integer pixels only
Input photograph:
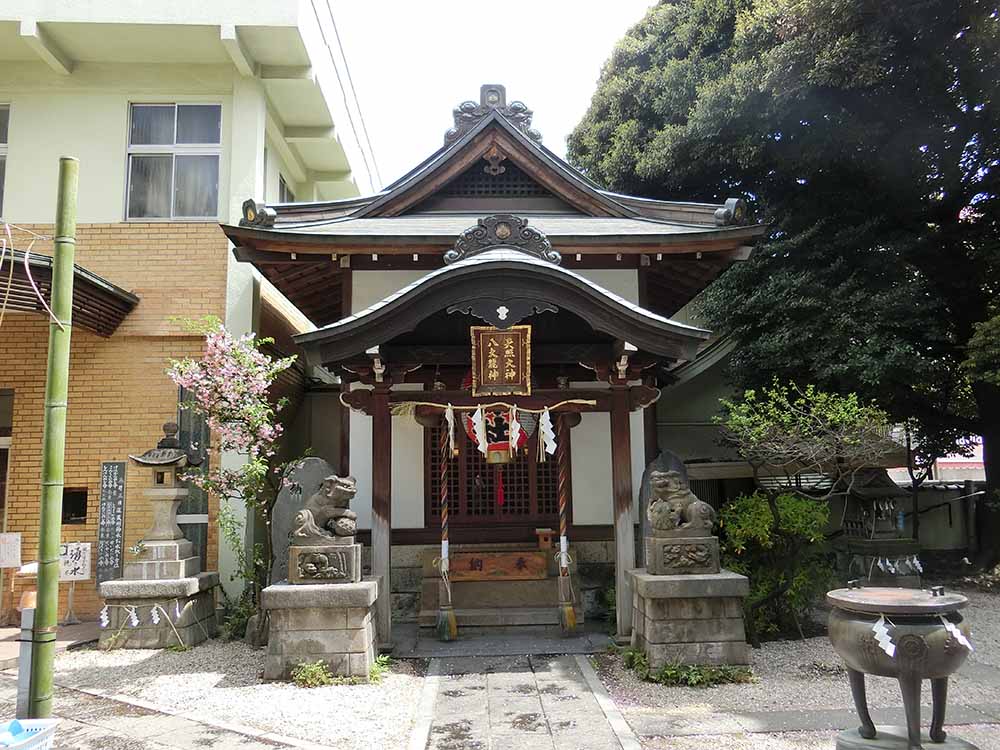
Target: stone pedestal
[
  {"x": 680, "y": 555},
  {"x": 174, "y": 603},
  {"x": 690, "y": 619},
  {"x": 163, "y": 560},
  {"x": 895, "y": 738},
  {"x": 329, "y": 622},
  {"x": 326, "y": 563},
  {"x": 191, "y": 596}
]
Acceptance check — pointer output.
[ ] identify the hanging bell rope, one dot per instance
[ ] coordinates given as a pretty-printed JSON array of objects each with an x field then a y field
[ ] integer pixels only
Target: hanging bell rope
[
  {"x": 447, "y": 625},
  {"x": 567, "y": 610}
]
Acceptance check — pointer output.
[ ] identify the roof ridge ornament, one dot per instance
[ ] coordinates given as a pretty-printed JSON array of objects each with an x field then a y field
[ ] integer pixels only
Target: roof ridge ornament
[
  {"x": 502, "y": 230},
  {"x": 492, "y": 96}
]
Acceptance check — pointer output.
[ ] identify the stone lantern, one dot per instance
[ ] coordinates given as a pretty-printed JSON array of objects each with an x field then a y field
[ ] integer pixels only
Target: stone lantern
[{"x": 162, "y": 585}]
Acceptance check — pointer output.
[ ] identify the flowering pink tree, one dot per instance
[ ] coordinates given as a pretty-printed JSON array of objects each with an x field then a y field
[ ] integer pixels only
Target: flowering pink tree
[{"x": 230, "y": 385}]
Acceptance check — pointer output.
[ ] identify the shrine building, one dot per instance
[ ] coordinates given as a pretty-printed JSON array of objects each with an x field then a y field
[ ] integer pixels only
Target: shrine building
[{"x": 493, "y": 331}]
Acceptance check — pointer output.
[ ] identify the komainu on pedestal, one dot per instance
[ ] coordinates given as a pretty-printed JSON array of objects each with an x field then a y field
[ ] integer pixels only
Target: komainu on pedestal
[
  {"x": 687, "y": 609},
  {"x": 321, "y": 544},
  {"x": 324, "y": 611}
]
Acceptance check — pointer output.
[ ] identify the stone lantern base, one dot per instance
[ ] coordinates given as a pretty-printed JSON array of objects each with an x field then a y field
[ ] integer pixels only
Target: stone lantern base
[
  {"x": 689, "y": 619},
  {"x": 329, "y": 622},
  {"x": 192, "y": 596}
]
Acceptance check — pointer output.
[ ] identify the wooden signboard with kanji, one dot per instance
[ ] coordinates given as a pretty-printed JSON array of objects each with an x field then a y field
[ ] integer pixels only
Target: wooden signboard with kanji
[
  {"x": 498, "y": 566},
  {"x": 501, "y": 361}
]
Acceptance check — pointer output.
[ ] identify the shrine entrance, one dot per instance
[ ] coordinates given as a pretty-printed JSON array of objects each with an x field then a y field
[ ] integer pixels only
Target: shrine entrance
[
  {"x": 498, "y": 403},
  {"x": 493, "y": 232}
]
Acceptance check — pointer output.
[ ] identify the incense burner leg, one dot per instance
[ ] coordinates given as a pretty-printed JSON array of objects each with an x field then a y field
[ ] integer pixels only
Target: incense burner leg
[
  {"x": 939, "y": 695},
  {"x": 857, "y": 679},
  {"x": 909, "y": 686}
]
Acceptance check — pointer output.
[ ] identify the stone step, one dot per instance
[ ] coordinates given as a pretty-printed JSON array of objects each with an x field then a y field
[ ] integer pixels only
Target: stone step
[
  {"x": 493, "y": 594},
  {"x": 499, "y": 617}
]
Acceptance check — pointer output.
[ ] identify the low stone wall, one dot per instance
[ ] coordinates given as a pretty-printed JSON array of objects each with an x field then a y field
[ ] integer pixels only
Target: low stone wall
[
  {"x": 193, "y": 597},
  {"x": 690, "y": 619},
  {"x": 330, "y": 622}
]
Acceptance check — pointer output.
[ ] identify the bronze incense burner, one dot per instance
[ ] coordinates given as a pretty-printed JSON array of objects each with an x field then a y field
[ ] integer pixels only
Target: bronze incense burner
[{"x": 907, "y": 634}]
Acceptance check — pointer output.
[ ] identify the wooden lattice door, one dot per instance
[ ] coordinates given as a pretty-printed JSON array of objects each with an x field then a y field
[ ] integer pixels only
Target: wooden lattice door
[{"x": 530, "y": 486}]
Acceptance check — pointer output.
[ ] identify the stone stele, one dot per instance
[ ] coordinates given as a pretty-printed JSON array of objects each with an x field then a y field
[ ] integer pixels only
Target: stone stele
[{"x": 303, "y": 481}]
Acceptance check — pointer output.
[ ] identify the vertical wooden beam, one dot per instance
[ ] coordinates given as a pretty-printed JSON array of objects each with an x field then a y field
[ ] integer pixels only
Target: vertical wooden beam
[
  {"x": 346, "y": 286},
  {"x": 382, "y": 509},
  {"x": 621, "y": 484}
]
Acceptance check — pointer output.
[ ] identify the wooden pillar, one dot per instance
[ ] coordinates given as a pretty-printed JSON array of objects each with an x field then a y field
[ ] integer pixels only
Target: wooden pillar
[
  {"x": 621, "y": 484},
  {"x": 382, "y": 509}
]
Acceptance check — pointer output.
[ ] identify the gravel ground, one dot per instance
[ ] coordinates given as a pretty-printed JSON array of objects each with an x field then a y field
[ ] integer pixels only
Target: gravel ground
[
  {"x": 221, "y": 682},
  {"x": 808, "y": 674},
  {"x": 983, "y": 736}
]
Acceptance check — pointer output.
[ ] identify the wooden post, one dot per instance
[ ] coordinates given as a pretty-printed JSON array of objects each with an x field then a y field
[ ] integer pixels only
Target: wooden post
[
  {"x": 382, "y": 509},
  {"x": 621, "y": 484}
]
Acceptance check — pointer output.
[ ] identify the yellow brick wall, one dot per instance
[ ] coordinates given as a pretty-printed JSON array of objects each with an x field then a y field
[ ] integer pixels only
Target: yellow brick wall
[{"x": 119, "y": 394}]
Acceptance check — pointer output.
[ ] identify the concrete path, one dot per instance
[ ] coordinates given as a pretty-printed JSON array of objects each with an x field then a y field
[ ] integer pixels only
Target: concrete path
[
  {"x": 520, "y": 702},
  {"x": 90, "y": 722},
  {"x": 68, "y": 636}
]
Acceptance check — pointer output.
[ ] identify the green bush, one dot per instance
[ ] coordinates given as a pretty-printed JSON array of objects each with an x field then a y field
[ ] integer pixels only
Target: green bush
[
  {"x": 235, "y": 614},
  {"x": 380, "y": 668},
  {"x": 789, "y": 571},
  {"x": 312, "y": 674},
  {"x": 692, "y": 675}
]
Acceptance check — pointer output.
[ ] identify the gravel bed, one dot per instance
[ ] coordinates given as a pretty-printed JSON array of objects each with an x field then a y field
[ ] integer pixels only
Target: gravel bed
[
  {"x": 218, "y": 681},
  {"x": 803, "y": 674}
]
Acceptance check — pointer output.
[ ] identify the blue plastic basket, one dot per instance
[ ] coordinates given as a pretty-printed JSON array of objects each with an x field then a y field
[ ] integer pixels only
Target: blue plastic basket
[{"x": 41, "y": 733}]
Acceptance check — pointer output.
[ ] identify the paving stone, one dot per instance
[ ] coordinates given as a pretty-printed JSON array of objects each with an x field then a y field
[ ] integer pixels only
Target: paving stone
[
  {"x": 796, "y": 721},
  {"x": 661, "y": 724}
]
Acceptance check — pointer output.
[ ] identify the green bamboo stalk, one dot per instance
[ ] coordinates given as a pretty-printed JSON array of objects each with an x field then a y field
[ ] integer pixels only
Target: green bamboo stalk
[{"x": 54, "y": 444}]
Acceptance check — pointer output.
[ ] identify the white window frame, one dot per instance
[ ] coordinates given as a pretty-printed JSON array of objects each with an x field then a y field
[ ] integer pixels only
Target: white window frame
[
  {"x": 3, "y": 152},
  {"x": 284, "y": 192},
  {"x": 172, "y": 150}
]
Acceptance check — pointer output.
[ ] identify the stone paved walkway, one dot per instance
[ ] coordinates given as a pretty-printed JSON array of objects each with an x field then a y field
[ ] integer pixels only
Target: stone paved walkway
[
  {"x": 89, "y": 722},
  {"x": 519, "y": 702}
]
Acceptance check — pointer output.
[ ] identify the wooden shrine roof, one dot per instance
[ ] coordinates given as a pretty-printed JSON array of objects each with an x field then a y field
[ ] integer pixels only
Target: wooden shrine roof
[
  {"x": 480, "y": 284},
  {"x": 98, "y": 305},
  {"x": 492, "y": 162}
]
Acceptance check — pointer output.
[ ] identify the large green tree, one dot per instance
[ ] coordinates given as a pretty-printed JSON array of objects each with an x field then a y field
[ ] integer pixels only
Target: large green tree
[{"x": 867, "y": 134}]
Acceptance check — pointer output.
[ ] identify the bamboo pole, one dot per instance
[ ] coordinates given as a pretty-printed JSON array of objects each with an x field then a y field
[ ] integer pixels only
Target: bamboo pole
[{"x": 54, "y": 443}]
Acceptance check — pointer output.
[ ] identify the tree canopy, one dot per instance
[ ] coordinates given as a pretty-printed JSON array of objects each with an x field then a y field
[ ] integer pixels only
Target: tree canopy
[{"x": 866, "y": 133}]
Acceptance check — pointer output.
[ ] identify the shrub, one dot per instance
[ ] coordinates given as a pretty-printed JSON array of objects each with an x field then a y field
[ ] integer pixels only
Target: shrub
[
  {"x": 312, "y": 674},
  {"x": 691, "y": 675},
  {"x": 789, "y": 571},
  {"x": 235, "y": 614},
  {"x": 380, "y": 668}
]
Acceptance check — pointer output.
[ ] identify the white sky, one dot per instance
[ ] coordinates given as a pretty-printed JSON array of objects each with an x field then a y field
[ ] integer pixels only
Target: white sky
[{"x": 413, "y": 62}]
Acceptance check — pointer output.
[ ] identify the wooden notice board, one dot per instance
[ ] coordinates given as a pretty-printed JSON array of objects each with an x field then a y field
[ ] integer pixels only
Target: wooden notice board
[
  {"x": 529, "y": 565},
  {"x": 111, "y": 521}
]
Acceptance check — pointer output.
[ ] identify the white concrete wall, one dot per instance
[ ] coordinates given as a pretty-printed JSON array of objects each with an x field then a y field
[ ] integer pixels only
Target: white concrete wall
[{"x": 86, "y": 116}]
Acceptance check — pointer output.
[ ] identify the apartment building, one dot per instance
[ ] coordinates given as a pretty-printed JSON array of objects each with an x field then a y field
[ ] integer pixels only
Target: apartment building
[{"x": 177, "y": 112}]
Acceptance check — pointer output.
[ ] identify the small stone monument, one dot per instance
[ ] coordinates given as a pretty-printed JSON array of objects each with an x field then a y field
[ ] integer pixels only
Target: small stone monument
[
  {"x": 687, "y": 609},
  {"x": 163, "y": 586},
  {"x": 324, "y": 610},
  {"x": 303, "y": 479}
]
